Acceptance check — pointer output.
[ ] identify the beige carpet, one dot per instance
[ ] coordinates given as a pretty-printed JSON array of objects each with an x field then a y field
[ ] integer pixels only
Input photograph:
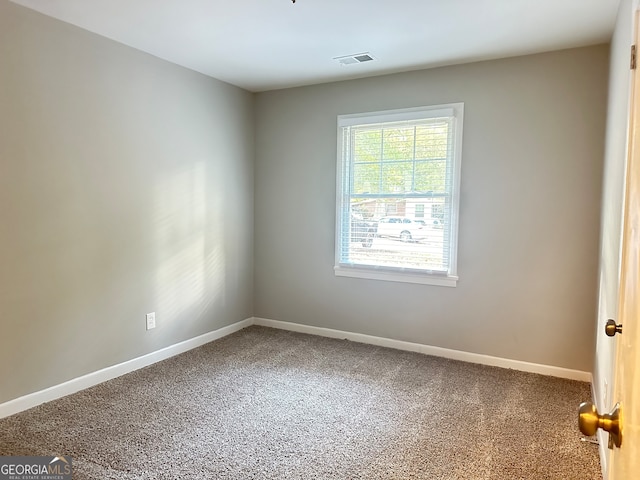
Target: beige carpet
[{"x": 270, "y": 404}]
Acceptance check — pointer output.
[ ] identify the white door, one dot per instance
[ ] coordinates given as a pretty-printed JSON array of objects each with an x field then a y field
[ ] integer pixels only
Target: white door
[{"x": 625, "y": 461}]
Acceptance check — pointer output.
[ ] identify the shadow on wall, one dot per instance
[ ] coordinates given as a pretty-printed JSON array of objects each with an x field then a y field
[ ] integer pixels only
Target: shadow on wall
[{"x": 189, "y": 243}]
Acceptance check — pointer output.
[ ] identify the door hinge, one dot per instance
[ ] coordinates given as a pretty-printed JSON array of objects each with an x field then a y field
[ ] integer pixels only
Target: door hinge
[{"x": 633, "y": 57}]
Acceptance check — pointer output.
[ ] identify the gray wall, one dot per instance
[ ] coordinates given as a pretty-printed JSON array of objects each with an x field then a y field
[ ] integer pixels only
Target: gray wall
[
  {"x": 126, "y": 186},
  {"x": 529, "y": 214}
]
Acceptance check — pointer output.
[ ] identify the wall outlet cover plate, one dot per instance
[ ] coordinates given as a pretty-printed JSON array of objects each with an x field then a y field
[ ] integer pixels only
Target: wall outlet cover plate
[{"x": 151, "y": 320}]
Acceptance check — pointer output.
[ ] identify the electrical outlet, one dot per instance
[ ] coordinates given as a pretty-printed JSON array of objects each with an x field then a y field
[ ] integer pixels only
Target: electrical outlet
[{"x": 151, "y": 320}]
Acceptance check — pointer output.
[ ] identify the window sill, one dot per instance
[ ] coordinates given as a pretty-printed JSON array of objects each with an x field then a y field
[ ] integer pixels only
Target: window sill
[{"x": 393, "y": 275}]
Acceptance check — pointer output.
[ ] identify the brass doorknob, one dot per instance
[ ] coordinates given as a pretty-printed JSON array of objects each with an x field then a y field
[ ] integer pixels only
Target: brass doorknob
[
  {"x": 611, "y": 328},
  {"x": 590, "y": 421}
]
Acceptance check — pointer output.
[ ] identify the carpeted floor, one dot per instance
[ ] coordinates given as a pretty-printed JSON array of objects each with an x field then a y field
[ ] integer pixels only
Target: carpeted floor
[{"x": 271, "y": 404}]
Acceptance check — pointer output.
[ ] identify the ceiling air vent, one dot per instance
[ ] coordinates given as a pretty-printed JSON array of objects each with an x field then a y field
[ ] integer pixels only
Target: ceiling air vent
[{"x": 353, "y": 59}]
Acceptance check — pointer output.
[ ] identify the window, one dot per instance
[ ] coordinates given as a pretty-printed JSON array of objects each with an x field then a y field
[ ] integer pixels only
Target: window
[{"x": 399, "y": 173}]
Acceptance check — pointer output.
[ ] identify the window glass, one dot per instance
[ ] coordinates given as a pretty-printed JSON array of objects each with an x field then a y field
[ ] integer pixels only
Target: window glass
[{"x": 399, "y": 172}]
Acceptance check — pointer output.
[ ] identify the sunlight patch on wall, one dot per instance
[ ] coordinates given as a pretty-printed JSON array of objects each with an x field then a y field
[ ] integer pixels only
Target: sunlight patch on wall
[{"x": 189, "y": 244}]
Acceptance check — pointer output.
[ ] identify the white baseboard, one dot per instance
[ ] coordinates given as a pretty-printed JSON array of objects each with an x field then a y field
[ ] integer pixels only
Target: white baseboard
[
  {"x": 57, "y": 391},
  {"x": 94, "y": 378},
  {"x": 430, "y": 350}
]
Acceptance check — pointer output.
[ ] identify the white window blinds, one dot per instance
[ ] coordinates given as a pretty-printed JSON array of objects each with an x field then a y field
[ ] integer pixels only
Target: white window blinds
[{"x": 398, "y": 178}]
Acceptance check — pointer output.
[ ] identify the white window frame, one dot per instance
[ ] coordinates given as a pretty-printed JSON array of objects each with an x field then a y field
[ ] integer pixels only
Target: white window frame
[{"x": 395, "y": 274}]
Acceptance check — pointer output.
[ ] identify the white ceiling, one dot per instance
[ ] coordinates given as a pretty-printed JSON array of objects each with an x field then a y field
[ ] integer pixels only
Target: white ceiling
[{"x": 267, "y": 44}]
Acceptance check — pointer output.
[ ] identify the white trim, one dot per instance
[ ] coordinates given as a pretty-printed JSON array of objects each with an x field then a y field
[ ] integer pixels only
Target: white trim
[
  {"x": 343, "y": 195},
  {"x": 89, "y": 380},
  {"x": 603, "y": 450},
  {"x": 399, "y": 115},
  {"x": 455, "y": 193},
  {"x": 602, "y": 437},
  {"x": 374, "y": 273},
  {"x": 429, "y": 350}
]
